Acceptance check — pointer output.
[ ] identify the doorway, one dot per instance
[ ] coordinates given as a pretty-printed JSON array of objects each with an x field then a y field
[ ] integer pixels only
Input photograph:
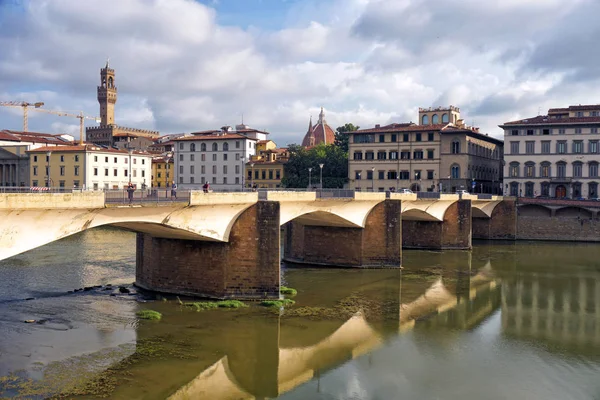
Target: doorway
[{"x": 561, "y": 192}]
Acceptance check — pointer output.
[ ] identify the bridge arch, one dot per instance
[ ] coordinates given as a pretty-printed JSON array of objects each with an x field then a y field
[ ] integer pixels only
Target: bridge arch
[
  {"x": 534, "y": 210},
  {"x": 573, "y": 212}
]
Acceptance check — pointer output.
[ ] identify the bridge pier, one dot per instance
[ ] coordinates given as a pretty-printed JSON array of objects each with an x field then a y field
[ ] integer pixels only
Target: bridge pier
[
  {"x": 453, "y": 233},
  {"x": 501, "y": 225},
  {"x": 378, "y": 245},
  {"x": 245, "y": 267}
]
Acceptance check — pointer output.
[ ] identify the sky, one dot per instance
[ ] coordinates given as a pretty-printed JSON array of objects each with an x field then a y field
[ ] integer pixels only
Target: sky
[{"x": 192, "y": 65}]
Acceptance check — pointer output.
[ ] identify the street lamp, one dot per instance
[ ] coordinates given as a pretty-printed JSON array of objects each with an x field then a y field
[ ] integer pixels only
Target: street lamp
[
  {"x": 243, "y": 171},
  {"x": 129, "y": 151},
  {"x": 252, "y": 175},
  {"x": 372, "y": 179},
  {"x": 167, "y": 176},
  {"x": 309, "y": 177},
  {"x": 321, "y": 184},
  {"x": 48, "y": 154},
  {"x": 359, "y": 174}
]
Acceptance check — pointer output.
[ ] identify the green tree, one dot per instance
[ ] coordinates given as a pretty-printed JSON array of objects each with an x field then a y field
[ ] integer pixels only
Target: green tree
[
  {"x": 341, "y": 135},
  {"x": 333, "y": 158}
]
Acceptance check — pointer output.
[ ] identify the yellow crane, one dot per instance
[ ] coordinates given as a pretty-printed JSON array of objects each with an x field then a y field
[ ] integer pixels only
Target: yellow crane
[
  {"x": 23, "y": 104},
  {"x": 26, "y": 105}
]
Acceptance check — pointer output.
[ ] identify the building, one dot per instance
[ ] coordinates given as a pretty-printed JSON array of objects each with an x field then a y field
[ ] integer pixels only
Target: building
[
  {"x": 89, "y": 167},
  {"x": 109, "y": 133},
  {"x": 216, "y": 157},
  {"x": 319, "y": 133},
  {"x": 266, "y": 169},
  {"x": 162, "y": 166},
  {"x": 14, "y": 160},
  {"x": 554, "y": 155},
  {"x": 441, "y": 154}
]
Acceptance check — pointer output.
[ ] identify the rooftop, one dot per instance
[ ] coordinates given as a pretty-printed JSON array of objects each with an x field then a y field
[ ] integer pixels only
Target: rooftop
[
  {"x": 404, "y": 127},
  {"x": 546, "y": 120},
  {"x": 212, "y": 135},
  {"x": 34, "y": 137},
  {"x": 83, "y": 148}
]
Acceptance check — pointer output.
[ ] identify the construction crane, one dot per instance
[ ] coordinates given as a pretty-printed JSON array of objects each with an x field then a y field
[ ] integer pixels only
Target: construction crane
[
  {"x": 23, "y": 104},
  {"x": 37, "y": 107}
]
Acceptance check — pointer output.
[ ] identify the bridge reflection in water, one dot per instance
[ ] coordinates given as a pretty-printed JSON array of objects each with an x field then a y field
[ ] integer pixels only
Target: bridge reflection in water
[{"x": 281, "y": 357}]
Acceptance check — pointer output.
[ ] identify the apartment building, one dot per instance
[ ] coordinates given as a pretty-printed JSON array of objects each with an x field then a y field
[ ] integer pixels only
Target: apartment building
[
  {"x": 266, "y": 169},
  {"x": 217, "y": 157},
  {"x": 441, "y": 154},
  {"x": 554, "y": 155},
  {"x": 162, "y": 168},
  {"x": 89, "y": 167}
]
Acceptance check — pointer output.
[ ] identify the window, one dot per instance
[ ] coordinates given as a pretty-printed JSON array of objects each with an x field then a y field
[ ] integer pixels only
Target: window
[
  {"x": 224, "y": 157},
  {"x": 214, "y": 156},
  {"x": 105, "y": 159},
  {"x": 278, "y": 174},
  {"x": 430, "y": 154},
  {"x": 418, "y": 137},
  {"x": 429, "y": 172},
  {"x": 405, "y": 137},
  {"x": 263, "y": 174},
  {"x": 546, "y": 147},
  {"x": 357, "y": 175},
  {"x": 214, "y": 169},
  {"x": 237, "y": 144},
  {"x": 62, "y": 158},
  {"x": 364, "y": 138},
  {"x": 381, "y": 155},
  {"x": 116, "y": 160},
  {"x": 381, "y": 175},
  {"x": 191, "y": 179},
  {"x": 529, "y": 189},
  {"x": 62, "y": 170},
  {"x": 561, "y": 131},
  {"x": 405, "y": 155},
  {"x": 593, "y": 113},
  {"x": 529, "y": 170},
  {"x": 418, "y": 154},
  {"x": 181, "y": 169},
  {"x": 237, "y": 169},
  {"x": 561, "y": 170},
  {"x": 455, "y": 147},
  {"x": 76, "y": 170},
  {"x": 529, "y": 147},
  {"x": 202, "y": 169},
  {"x": 593, "y": 169},
  {"x": 34, "y": 158},
  {"x": 514, "y": 132},
  {"x": 578, "y": 146},
  {"x": 215, "y": 147},
  {"x": 125, "y": 161},
  {"x": 225, "y": 180},
  {"x": 577, "y": 169},
  {"x": 530, "y": 132},
  {"x": 192, "y": 158},
  {"x": 192, "y": 169},
  {"x": 430, "y": 136},
  {"x": 444, "y": 118},
  {"x": 424, "y": 120},
  {"x": 35, "y": 171},
  {"x": 224, "y": 169},
  {"x": 545, "y": 189},
  {"x": 225, "y": 146},
  {"x": 561, "y": 147},
  {"x": 393, "y": 155},
  {"x": 105, "y": 171},
  {"x": 404, "y": 175},
  {"x": 545, "y": 170},
  {"x": 369, "y": 155},
  {"x": 181, "y": 157},
  {"x": 192, "y": 146},
  {"x": 455, "y": 172},
  {"x": 381, "y": 138},
  {"x": 394, "y": 138},
  {"x": 435, "y": 119},
  {"x": 135, "y": 173},
  {"x": 369, "y": 174},
  {"x": 358, "y": 155},
  {"x": 592, "y": 190},
  {"x": 181, "y": 179},
  {"x": 202, "y": 157},
  {"x": 514, "y": 147},
  {"x": 513, "y": 170},
  {"x": 115, "y": 172},
  {"x": 545, "y": 131},
  {"x": 203, "y": 147},
  {"x": 143, "y": 161},
  {"x": 417, "y": 174},
  {"x": 579, "y": 114}
]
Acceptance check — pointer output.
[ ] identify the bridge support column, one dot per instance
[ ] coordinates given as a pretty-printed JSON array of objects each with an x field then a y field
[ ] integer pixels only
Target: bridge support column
[
  {"x": 378, "y": 245},
  {"x": 501, "y": 225},
  {"x": 246, "y": 267},
  {"x": 453, "y": 233}
]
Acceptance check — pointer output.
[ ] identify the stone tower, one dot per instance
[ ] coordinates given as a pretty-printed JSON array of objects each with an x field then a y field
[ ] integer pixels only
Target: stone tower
[{"x": 107, "y": 95}]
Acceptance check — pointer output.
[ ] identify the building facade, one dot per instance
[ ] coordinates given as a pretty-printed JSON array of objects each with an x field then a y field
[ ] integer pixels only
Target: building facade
[
  {"x": 89, "y": 167},
  {"x": 554, "y": 155},
  {"x": 217, "y": 157},
  {"x": 109, "y": 133},
  {"x": 162, "y": 167},
  {"x": 266, "y": 169},
  {"x": 434, "y": 156}
]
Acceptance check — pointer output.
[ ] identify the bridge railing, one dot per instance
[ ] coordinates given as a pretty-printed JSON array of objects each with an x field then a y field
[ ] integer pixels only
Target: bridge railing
[{"x": 144, "y": 196}]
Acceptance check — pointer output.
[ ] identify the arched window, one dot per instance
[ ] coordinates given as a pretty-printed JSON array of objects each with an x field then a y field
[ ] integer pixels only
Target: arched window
[
  {"x": 530, "y": 169},
  {"x": 593, "y": 190},
  {"x": 203, "y": 147},
  {"x": 215, "y": 147},
  {"x": 455, "y": 171},
  {"x": 193, "y": 147},
  {"x": 425, "y": 120},
  {"x": 435, "y": 119},
  {"x": 529, "y": 189},
  {"x": 225, "y": 146},
  {"x": 593, "y": 172},
  {"x": 545, "y": 169},
  {"x": 444, "y": 118},
  {"x": 110, "y": 82},
  {"x": 561, "y": 169},
  {"x": 513, "y": 170},
  {"x": 104, "y": 82},
  {"x": 455, "y": 146},
  {"x": 577, "y": 169},
  {"x": 514, "y": 189}
]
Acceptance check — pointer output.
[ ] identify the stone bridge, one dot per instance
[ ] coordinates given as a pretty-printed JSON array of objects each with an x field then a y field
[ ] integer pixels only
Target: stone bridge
[{"x": 234, "y": 239}]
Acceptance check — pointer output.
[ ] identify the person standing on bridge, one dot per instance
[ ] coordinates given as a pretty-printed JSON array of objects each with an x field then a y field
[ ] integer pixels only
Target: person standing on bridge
[
  {"x": 173, "y": 191},
  {"x": 130, "y": 190}
]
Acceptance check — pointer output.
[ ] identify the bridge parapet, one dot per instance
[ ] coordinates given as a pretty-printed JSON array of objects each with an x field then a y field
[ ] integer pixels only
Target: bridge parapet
[
  {"x": 199, "y": 198},
  {"x": 48, "y": 201}
]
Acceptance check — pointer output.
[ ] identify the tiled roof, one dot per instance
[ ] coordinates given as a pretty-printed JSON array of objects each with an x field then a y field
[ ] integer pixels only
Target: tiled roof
[
  {"x": 472, "y": 133},
  {"x": 251, "y": 131},
  {"x": 545, "y": 120},
  {"x": 320, "y": 133},
  {"x": 82, "y": 148},
  {"x": 408, "y": 127},
  {"x": 585, "y": 107},
  {"x": 212, "y": 137},
  {"x": 34, "y": 137}
]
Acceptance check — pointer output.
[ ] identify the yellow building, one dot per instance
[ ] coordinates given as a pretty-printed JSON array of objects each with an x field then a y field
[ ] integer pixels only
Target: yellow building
[
  {"x": 161, "y": 170},
  {"x": 266, "y": 170},
  {"x": 88, "y": 167}
]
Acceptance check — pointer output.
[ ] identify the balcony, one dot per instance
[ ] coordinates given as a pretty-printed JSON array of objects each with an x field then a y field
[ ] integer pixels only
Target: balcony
[{"x": 561, "y": 180}]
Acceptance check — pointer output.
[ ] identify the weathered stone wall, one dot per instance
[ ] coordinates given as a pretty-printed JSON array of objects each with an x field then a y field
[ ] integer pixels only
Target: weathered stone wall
[
  {"x": 48, "y": 201},
  {"x": 558, "y": 228},
  {"x": 379, "y": 244},
  {"x": 245, "y": 267},
  {"x": 502, "y": 224},
  {"x": 453, "y": 233}
]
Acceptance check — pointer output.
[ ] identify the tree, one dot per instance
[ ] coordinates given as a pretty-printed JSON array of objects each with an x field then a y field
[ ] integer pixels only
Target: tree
[
  {"x": 342, "y": 137},
  {"x": 333, "y": 158}
]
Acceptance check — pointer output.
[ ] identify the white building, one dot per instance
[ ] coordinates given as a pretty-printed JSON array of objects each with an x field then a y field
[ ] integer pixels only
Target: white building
[
  {"x": 89, "y": 167},
  {"x": 554, "y": 155},
  {"x": 216, "y": 157}
]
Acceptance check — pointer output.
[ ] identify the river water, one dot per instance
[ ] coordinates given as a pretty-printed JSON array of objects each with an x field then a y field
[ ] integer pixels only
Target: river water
[{"x": 505, "y": 321}]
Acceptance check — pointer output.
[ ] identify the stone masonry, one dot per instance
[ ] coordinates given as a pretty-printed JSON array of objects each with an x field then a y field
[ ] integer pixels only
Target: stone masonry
[
  {"x": 501, "y": 225},
  {"x": 379, "y": 244},
  {"x": 246, "y": 267}
]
